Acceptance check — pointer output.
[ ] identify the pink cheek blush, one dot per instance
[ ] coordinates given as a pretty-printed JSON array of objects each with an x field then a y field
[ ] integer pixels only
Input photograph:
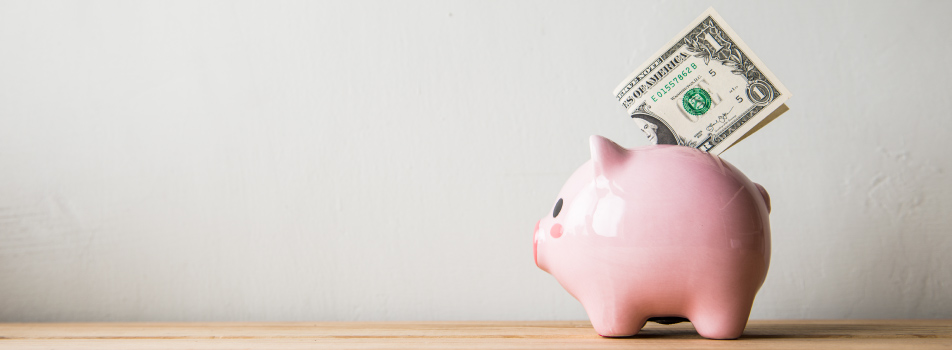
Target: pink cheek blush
[{"x": 556, "y": 231}]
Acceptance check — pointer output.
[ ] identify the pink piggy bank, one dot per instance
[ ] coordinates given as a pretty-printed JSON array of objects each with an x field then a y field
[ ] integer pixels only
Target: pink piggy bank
[{"x": 658, "y": 233}]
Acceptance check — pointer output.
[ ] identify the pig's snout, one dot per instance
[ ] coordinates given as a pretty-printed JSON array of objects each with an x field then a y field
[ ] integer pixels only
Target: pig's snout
[{"x": 535, "y": 244}]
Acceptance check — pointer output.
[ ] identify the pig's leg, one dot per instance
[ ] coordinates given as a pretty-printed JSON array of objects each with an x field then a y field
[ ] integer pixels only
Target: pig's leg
[
  {"x": 611, "y": 319},
  {"x": 722, "y": 318}
]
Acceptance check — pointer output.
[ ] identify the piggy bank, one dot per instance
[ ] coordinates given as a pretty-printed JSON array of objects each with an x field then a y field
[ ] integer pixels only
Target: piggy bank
[{"x": 664, "y": 233}]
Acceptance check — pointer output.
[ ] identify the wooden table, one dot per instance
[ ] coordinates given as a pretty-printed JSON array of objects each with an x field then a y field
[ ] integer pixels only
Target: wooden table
[{"x": 816, "y": 334}]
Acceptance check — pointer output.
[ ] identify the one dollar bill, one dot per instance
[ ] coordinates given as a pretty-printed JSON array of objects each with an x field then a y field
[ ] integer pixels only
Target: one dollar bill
[{"x": 705, "y": 89}]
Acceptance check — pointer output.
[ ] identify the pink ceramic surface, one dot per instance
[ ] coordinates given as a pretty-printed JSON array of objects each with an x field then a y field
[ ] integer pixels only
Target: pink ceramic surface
[{"x": 658, "y": 231}]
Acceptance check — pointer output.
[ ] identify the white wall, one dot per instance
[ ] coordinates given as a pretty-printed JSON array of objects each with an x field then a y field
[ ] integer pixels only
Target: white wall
[{"x": 387, "y": 160}]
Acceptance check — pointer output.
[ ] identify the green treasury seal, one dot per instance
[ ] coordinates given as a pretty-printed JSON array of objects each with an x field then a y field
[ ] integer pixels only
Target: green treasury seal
[{"x": 696, "y": 101}]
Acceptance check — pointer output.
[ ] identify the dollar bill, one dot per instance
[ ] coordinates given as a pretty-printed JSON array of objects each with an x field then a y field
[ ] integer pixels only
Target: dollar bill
[{"x": 705, "y": 89}]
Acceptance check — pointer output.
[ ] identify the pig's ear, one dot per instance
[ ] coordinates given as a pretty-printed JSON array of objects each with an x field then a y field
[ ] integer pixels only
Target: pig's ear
[{"x": 606, "y": 155}]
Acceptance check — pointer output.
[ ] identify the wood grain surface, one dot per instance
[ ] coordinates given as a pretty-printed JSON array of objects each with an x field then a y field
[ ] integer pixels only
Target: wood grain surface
[{"x": 814, "y": 334}]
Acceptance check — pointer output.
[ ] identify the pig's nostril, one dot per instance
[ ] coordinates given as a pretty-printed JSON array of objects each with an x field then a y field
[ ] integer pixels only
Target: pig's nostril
[{"x": 556, "y": 231}]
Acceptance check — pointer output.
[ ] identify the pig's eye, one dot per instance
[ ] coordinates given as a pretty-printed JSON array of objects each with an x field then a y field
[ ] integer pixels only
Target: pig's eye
[{"x": 558, "y": 208}]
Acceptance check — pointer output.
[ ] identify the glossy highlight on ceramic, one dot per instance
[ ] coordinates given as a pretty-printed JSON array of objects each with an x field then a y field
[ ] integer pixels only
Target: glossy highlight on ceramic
[{"x": 658, "y": 231}]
